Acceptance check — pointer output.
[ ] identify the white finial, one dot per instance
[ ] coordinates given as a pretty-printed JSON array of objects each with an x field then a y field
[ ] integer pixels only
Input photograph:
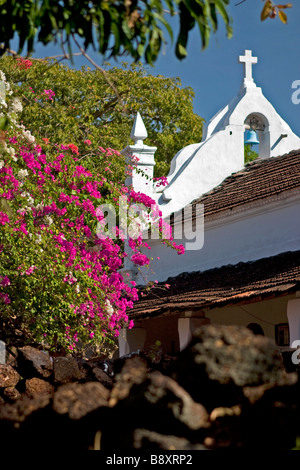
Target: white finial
[
  {"x": 248, "y": 61},
  {"x": 138, "y": 131}
]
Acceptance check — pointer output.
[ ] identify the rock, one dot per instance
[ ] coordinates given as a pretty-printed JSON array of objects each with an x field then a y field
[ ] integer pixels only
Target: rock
[
  {"x": 86, "y": 374},
  {"x": 153, "y": 441},
  {"x": 8, "y": 376},
  {"x": 32, "y": 362},
  {"x": 221, "y": 412},
  {"x": 121, "y": 362},
  {"x": 66, "y": 370},
  {"x": 20, "y": 410},
  {"x": 183, "y": 407},
  {"x": 228, "y": 389},
  {"x": 273, "y": 415},
  {"x": 161, "y": 362},
  {"x": 287, "y": 361},
  {"x": 133, "y": 372},
  {"x": 154, "y": 388},
  {"x": 11, "y": 394},
  {"x": 77, "y": 400},
  {"x": 11, "y": 356},
  {"x": 220, "y": 360},
  {"x": 37, "y": 386},
  {"x": 109, "y": 366},
  {"x": 285, "y": 384},
  {"x": 103, "y": 378},
  {"x": 156, "y": 360},
  {"x": 151, "y": 400}
]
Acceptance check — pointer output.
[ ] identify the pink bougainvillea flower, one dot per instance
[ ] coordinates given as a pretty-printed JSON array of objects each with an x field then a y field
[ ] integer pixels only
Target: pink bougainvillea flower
[
  {"x": 49, "y": 94},
  {"x": 5, "y": 298},
  {"x": 3, "y": 218},
  {"x": 24, "y": 63},
  {"x": 140, "y": 259},
  {"x": 5, "y": 281},
  {"x": 73, "y": 148},
  {"x": 30, "y": 270}
]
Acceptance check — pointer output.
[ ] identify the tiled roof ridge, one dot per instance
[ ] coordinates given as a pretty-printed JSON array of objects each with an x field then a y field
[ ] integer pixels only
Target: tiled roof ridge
[
  {"x": 240, "y": 264},
  {"x": 257, "y": 163},
  {"x": 274, "y": 275}
]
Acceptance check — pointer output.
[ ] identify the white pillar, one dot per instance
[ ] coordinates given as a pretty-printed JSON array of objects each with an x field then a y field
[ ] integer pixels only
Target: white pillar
[
  {"x": 186, "y": 327},
  {"x": 141, "y": 157},
  {"x": 139, "y": 175},
  {"x": 131, "y": 340},
  {"x": 123, "y": 345}
]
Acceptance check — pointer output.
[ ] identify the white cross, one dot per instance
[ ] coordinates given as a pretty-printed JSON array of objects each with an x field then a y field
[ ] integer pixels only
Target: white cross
[{"x": 248, "y": 61}]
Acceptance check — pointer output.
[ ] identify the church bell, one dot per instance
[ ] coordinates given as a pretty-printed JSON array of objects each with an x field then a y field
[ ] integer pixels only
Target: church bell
[{"x": 251, "y": 138}]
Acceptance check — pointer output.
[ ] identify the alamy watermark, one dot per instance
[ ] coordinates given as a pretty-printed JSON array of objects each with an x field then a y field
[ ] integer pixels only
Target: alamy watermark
[
  {"x": 296, "y": 354},
  {"x": 296, "y": 93},
  {"x": 136, "y": 220}
]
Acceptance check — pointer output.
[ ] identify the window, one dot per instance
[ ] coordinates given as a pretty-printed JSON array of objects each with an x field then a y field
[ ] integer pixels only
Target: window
[{"x": 282, "y": 334}]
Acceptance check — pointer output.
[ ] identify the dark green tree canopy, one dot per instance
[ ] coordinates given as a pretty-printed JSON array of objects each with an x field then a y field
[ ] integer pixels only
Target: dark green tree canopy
[
  {"x": 112, "y": 27},
  {"x": 137, "y": 28}
]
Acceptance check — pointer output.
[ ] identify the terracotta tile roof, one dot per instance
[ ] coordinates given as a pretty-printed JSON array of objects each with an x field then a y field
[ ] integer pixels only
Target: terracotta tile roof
[
  {"x": 220, "y": 286},
  {"x": 259, "y": 179}
]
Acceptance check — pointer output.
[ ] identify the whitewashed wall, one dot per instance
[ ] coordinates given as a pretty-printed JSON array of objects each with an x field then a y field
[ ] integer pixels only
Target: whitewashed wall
[{"x": 252, "y": 234}]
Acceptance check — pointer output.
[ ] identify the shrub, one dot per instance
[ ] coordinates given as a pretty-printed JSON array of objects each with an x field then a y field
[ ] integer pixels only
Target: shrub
[{"x": 60, "y": 282}]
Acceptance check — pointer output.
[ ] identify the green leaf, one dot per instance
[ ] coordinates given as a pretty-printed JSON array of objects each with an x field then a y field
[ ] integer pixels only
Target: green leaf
[
  {"x": 161, "y": 19},
  {"x": 182, "y": 52},
  {"x": 141, "y": 49},
  {"x": 4, "y": 121},
  {"x": 221, "y": 8},
  {"x": 106, "y": 22},
  {"x": 126, "y": 29}
]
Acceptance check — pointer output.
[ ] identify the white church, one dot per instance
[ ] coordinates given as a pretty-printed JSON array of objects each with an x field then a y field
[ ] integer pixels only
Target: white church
[{"x": 241, "y": 229}]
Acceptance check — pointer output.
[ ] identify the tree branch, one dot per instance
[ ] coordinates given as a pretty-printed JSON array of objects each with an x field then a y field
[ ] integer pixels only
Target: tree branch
[
  {"x": 110, "y": 104},
  {"x": 104, "y": 73},
  {"x": 64, "y": 56},
  {"x": 13, "y": 53}
]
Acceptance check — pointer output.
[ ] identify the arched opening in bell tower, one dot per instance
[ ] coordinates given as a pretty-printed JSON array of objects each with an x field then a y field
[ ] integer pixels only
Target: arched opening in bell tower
[{"x": 256, "y": 137}]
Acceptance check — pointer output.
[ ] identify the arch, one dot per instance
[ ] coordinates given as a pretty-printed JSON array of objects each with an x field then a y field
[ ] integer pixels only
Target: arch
[
  {"x": 262, "y": 119},
  {"x": 260, "y": 123},
  {"x": 256, "y": 329}
]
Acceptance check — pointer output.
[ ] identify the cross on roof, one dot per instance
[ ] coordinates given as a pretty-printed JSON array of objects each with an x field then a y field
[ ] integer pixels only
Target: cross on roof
[{"x": 248, "y": 61}]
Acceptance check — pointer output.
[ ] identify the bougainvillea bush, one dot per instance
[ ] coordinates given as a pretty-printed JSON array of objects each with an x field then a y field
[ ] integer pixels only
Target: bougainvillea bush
[{"x": 60, "y": 282}]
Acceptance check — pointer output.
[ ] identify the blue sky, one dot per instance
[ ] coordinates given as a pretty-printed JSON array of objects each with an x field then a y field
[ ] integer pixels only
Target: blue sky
[{"x": 215, "y": 74}]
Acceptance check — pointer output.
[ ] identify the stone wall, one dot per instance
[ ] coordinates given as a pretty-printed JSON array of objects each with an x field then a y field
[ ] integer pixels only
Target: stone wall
[{"x": 227, "y": 389}]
